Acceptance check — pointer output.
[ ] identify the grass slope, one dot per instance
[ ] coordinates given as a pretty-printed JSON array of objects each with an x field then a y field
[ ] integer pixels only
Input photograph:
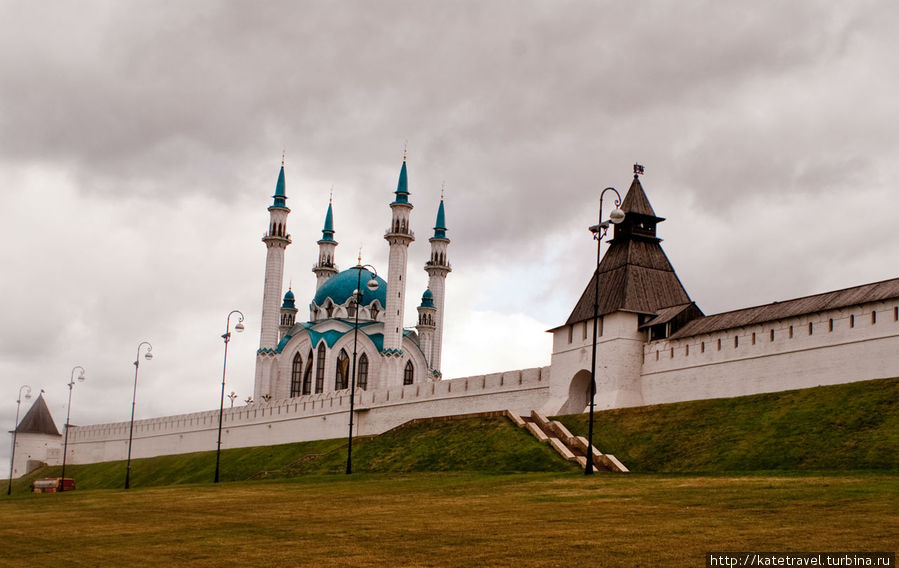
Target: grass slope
[
  {"x": 842, "y": 427},
  {"x": 487, "y": 445}
]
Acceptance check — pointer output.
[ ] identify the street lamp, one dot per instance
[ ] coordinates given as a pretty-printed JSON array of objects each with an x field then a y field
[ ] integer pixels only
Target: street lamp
[
  {"x": 148, "y": 355},
  {"x": 65, "y": 444},
  {"x": 15, "y": 430},
  {"x": 232, "y": 396},
  {"x": 227, "y": 337},
  {"x": 357, "y": 297},
  {"x": 599, "y": 233}
]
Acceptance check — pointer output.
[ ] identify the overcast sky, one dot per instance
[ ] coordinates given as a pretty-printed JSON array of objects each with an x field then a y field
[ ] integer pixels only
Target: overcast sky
[{"x": 140, "y": 144}]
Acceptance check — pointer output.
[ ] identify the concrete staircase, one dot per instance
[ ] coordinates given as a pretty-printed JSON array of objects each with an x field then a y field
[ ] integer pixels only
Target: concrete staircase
[{"x": 571, "y": 447}]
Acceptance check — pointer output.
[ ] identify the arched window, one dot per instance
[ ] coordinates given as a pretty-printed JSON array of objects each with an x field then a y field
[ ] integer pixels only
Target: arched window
[
  {"x": 408, "y": 373},
  {"x": 374, "y": 311},
  {"x": 330, "y": 308},
  {"x": 307, "y": 375},
  {"x": 296, "y": 371},
  {"x": 362, "y": 374},
  {"x": 320, "y": 369},
  {"x": 351, "y": 308},
  {"x": 341, "y": 378}
]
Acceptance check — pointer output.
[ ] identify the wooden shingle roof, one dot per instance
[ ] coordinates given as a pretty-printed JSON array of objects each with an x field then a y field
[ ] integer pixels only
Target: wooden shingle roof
[
  {"x": 634, "y": 275},
  {"x": 875, "y": 292},
  {"x": 38, "y": 420}
]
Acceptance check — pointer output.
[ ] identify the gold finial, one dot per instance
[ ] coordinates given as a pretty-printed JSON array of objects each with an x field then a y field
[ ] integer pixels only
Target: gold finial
[
  {"x": 405, "y": 146},
  {"x": 359, "y": 261},
  {"x": 331, "y": 197},
  {"x": 283, "y": 155},
  {"x": 442, "y": 189},
  {"x": 290, "y": 285}
]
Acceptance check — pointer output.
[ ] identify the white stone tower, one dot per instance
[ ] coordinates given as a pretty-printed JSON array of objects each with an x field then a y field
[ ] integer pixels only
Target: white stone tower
[
  {"x": 425, "y": 327},
  {"x": 326, "y": 266},
  {"x": 437, "y": 268},
  {"x": 276, "y": 240},
  {"x": 399, "y": 235}
]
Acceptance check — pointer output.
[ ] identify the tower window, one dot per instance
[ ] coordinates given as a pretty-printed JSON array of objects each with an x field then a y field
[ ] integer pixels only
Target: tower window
[
  {"x": 772, "y": 335},
  {"x": 687, "y": 350},
  {"x": 408, "y": 373},
  {"x": 810, "y": 328},
  {"x": 830, "y": 324},
  {"x": 753, "y": 338},
  {"x": 672, "y": 354},
  {"x": 791, "y": 332},
  {"x": 851, "y": 321},
  {"x": 702, "y": 347},
  {"x": 296, "y": 373},
  {"x": 657, "y": 355},
  {"x": 719, "y": 344},
  {"x": 736, "y": 341},
  {"x": 570, "y": 332},
  {"x": 873, "y": 317},
  {"x": 362, "y": 375},
  {"x": 896, "y": 314},
  {"x": 585, "y": 330}
]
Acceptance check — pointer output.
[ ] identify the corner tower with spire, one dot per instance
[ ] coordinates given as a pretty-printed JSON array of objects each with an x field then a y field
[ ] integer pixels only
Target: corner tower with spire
[
  {"x": 398, "y": 236},
  {"x": 437, "y": 268}
]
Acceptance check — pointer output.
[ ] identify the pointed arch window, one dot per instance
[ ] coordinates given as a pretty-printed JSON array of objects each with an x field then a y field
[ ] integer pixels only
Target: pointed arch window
[
  {"x": 296, "y": 370},
  {"x": 351, "y": 308},
  {"x": 409, "y": 373},
  {"x": 374, "y": 311},
  {"x": 330, "y": 308},
  {"x": 320, "y": 369},
  {"x": 342, "y": 375},
  {"x": 307, "y": 375},
  {"x": 362, "y": 375}
]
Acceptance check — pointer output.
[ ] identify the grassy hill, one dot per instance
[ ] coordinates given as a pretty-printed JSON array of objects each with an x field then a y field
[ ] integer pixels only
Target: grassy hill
[
  {"x": 842, "y": 427},
  {"x": 835, "y": 428},
  {"x": 486, "y": 445}
]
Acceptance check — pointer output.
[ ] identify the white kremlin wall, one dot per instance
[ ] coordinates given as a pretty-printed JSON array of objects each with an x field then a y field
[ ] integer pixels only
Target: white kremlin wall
[
  {"x": 822, "y": 348},
  {"x": 310, "y": 417}
]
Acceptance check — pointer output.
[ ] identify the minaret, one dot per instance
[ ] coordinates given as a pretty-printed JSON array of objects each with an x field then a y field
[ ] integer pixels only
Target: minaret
[
  {"x": 399, "y": 236},
  {"x": 288, "y": 314},
  {"x": 425, "y": 327},
  {"x": 326, "y": 267},
  {"x": 276, "y": 240},
  {"x": 437, "y": 268}
]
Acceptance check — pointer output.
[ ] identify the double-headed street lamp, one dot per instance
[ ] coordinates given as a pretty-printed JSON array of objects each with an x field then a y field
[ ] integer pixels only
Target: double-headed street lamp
[
  {"x": 599, "y": 233},
  {"x": 227, "y": 337},
  {"x": 65, "y": 444},
  {"x": 148, "y": 355},
  {"x": 15, "y": 430},
  {"x": 357, "y": 298}
]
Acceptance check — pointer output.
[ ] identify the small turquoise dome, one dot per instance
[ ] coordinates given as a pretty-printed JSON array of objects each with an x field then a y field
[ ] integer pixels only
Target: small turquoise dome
[
  {"x": 288, "y": 300},
  {"x": 427, "y": 299},
  {"x": 340, "y": 288}
]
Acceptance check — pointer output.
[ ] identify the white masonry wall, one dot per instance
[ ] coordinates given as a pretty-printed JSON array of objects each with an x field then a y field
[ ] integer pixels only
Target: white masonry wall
[
  {"x": 311, "y": 417},
  {"x": 825, "y": 348}
]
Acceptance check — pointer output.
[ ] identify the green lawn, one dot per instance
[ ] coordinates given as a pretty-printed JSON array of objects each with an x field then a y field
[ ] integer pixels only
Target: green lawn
[{"x": 453, "y": 519}]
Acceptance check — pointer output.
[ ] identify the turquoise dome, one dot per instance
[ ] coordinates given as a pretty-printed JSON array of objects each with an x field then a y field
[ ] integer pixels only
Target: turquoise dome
[
  {"x": 289, "y": 300},
  {"x": 341, "y": 286},
  {"x": 427, "y": 299}
]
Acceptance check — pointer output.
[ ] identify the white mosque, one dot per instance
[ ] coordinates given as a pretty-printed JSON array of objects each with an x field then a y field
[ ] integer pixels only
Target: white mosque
[
  {"x": 654, "y": 345},
  {"x": 356, "y": 317}
]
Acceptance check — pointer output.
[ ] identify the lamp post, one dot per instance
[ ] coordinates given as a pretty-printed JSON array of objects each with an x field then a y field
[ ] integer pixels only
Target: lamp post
[
  {"x": 227, "y": 337},
  {"x": 148, "y": 355},
  {"x": 15, "y": 430},
  {"x": 599, "y": 232},
  {"x": 357, "y": 297},
  {"x": 65, "y": 444}
]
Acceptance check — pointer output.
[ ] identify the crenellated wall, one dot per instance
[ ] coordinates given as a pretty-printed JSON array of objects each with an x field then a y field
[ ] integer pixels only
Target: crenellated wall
[{"x": 311, "y": 417}]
